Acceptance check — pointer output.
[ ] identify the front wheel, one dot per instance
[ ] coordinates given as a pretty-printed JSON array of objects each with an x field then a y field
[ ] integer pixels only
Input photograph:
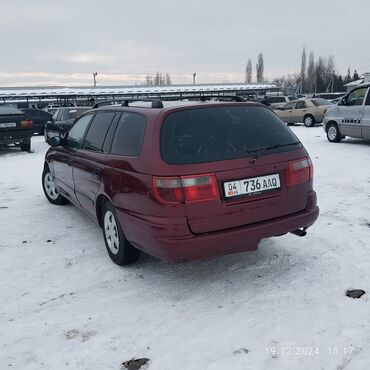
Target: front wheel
[
  {"x": 51, "y": 192},
  {"x": 309, "y": 121},
  {"x": 120, "y": 250},
  {"x": 333, "y": 134}
]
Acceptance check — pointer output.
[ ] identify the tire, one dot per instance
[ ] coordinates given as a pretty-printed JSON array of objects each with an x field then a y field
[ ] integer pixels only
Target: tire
[
  {"x": 333, "y": 134},
  {"x": 26, "y": 146},
  {"x": 309, "y": 121},
  {"x": 120, "y": 250},
  {"x": 52, "y": 194}
]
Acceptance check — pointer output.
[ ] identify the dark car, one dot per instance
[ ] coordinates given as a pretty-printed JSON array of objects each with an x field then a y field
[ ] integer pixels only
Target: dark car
[
  {"x": 15, "y": 127},
  {"x": 39, "y": 118},
  {"x": 62, "y": 120},
  {"x": 183, "y": 182}
]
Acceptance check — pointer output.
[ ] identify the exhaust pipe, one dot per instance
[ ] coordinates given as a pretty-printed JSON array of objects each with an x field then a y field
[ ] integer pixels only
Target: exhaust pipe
[{"x": 300, "y": 232}]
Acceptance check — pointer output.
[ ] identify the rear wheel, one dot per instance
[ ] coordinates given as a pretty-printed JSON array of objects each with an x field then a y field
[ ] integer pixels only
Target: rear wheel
[
  {"x": 120, "y": 250},
  {"x": 309, "y": 121},
  {"x": 26, "y": 146},
  {"x": 51, "y": 192},
  {"x": 333, "y": 134}
]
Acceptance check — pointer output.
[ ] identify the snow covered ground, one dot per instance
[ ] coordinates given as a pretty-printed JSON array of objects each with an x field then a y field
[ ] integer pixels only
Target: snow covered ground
[{"x": 65, "y": 305}]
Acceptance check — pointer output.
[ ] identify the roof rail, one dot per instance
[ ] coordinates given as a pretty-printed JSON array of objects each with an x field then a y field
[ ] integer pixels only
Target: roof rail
[
  {"x": 236, "y": 98},
  {"x": 156, "y": 103}
]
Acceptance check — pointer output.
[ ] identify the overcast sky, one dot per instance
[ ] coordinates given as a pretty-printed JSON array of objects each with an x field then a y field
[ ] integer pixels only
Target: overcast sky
[{"x": 48, "y": 42}]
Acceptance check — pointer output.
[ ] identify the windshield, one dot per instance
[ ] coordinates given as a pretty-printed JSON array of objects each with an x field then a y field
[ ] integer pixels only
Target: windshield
[{"x": 221, "y": 133}]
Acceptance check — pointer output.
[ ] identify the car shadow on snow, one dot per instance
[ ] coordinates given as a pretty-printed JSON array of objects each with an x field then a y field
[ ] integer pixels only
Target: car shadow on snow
[{"x": 272, "y": 261}]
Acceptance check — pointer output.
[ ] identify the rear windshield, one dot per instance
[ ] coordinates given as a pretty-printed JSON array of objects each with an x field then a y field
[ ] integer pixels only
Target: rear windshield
[
  {"x": 9, "y": 109},
  {"x": 75, "y": 113},
  {"x": 221, "y": 133},
  {"x": 319, "y": 102}
]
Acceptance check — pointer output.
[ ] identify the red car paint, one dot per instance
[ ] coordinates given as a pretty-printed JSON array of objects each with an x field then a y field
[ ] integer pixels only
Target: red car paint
[{"x": 186, "y": 229}]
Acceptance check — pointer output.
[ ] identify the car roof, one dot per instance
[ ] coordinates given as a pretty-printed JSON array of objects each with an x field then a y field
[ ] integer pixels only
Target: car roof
[{"x": 144, "y": 107}]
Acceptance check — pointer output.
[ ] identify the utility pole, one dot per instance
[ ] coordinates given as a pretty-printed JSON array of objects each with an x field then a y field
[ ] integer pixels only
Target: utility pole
[
  {"x": 94, "y": 76},
  {"x": 194, "y": 74}
]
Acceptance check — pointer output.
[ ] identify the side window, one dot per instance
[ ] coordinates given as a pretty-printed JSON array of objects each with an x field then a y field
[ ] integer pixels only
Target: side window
[
  {"x": 76, "y": 133},
  {"x": 356, "y": 97},
  {"x": 129, "y": 135},
  {"x": 300, "y": 104},
  {"x": 289, "y": 106},
  {"x": 368, "y": 98},
  {"x": 98, "y": 130}
]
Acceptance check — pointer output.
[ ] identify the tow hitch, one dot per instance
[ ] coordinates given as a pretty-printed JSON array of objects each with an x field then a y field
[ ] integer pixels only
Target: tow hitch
[{"x": 300, "y": 232}]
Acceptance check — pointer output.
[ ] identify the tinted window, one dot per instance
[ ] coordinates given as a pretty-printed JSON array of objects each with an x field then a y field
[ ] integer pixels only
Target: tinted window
[
  {"x": 77, "y": 132},
  {"x": 300, "y": 104},
  {"x": 97, "y": 131},
  {"x": 356, "y": 97},
  {"x": 215, "y": 134},
  {"x": 289, "y": 106},
  {"x": 9, "y": 109},
  {"x": 276, "y": 99},
  {"x": 129, "y": 135}
]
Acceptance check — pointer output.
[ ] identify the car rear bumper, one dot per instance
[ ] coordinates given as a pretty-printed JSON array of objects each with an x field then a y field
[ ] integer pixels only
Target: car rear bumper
[
  {"x": 178, "y": 244},
  {"x": 15, "y": 136}
]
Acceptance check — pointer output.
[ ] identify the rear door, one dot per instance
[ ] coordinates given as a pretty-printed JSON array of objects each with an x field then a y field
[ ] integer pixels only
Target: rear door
[
  {"x": 287, "y": 113},
  {"x": 365, "y": 123},
  {"x": 227, "y": 144}
]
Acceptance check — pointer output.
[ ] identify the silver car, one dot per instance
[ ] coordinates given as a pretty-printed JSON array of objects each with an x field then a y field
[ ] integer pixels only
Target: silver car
[{"x": 350, "y": 116}]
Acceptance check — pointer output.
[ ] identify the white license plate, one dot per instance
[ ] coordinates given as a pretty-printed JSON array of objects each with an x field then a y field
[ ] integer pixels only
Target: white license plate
[
  {"x": 251, "y": 185},
  {"x": 8, "y": 124}
]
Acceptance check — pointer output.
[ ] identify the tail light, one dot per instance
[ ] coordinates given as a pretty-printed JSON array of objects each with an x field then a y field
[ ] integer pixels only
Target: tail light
[
  {"x": 26, "y": 123},
  {"x": 185, "y": 188},
  {"x": 299, "y": 171}
]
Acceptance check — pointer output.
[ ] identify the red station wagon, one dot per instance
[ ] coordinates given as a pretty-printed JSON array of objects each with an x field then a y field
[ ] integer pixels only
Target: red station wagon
[{"x": 183, "y": 180}]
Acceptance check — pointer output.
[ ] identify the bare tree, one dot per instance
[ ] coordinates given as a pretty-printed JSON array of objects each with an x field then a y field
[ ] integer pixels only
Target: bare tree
[
  {"x": 303, "y": 70},
  {"x": 311, "y": 72},
  {"x": 260, "y": 68},
  {"x": 248, "y": 72},
  {"x": 168, "y": 79}
]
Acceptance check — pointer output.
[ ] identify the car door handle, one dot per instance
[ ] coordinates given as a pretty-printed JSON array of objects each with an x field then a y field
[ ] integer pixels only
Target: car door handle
[{"x": 97, "y": 171}]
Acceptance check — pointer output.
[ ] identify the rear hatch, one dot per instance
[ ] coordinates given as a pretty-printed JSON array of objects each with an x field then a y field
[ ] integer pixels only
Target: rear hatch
[
  {"x": 13, "y": 120},
  {"x": 236, "y": 165}
]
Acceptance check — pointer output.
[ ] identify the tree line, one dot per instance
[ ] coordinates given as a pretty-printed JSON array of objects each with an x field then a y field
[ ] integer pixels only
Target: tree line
[
  {"x": 159, "y": 79},
  {"x": 317, "y": 75}
]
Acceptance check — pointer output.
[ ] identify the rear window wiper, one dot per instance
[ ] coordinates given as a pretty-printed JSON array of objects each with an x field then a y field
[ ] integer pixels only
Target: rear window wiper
[{"x": 261, "y": 150}]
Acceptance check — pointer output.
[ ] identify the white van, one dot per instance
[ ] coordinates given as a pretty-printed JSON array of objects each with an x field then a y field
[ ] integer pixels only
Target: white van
[{"x": 350, "y": 116}]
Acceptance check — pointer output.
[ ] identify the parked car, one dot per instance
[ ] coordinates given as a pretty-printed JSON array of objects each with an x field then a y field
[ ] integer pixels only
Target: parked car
[
  {"x": 39, "y": 118},
  {"x": 277, "y": 101},
  {"x": 183, "y": 182},
  {"x": 15, "y": 127},
  {"x": 350, "y": 116},
  {"x": 308, "y": 111},
  {"x": 62, "y": 119}
]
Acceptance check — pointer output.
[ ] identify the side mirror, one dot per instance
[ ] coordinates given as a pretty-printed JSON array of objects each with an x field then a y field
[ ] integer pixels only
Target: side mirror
[
  {"x": 343, "y": 101},
  {"x": 55, "y": 141}
]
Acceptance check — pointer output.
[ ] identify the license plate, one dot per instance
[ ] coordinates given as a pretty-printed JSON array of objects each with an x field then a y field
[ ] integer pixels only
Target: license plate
[
  {"x": 8, "y": 124},
  {"x": 252, "y": 185}
]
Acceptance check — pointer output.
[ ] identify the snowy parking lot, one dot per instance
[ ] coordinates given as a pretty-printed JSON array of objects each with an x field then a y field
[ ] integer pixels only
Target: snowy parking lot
[{"x": 65, "y": 305}]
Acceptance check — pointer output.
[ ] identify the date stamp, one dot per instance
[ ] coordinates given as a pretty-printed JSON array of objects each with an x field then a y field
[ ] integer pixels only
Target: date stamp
[{"x": 308, "y": 351}]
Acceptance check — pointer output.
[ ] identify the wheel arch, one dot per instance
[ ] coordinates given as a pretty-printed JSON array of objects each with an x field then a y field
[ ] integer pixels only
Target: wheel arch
[
  {"x": 331, "y": 122},
  {"x": 99, "y": 203}
]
